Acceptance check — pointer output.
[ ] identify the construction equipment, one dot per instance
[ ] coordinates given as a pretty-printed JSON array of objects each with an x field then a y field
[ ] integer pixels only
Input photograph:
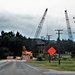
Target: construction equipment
[
  {"x": 40, "y": 24},
  {"x": 68, "y": 26},
  {"x": 25, "y": 52}
]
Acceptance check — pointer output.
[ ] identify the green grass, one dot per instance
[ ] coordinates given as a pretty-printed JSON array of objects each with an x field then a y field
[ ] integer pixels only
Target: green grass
[{"x": 64, "y": 65}]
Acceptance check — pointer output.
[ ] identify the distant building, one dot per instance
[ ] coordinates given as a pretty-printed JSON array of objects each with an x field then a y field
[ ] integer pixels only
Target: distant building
[{"x": 40, "y": 45}]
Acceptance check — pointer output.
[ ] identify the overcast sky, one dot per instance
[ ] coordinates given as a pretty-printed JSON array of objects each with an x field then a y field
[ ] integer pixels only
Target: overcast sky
[{"x": 24, "y": 16}]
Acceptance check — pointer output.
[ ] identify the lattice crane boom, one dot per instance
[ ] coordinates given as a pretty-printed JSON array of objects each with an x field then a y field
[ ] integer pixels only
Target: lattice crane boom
[
  {"x": 68, "y": 26},
  {"x": 40, "y": 24}
]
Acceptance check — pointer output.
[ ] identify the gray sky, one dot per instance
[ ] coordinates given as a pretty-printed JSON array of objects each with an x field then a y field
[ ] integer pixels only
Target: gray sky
[{"x": 25, "y": 15}]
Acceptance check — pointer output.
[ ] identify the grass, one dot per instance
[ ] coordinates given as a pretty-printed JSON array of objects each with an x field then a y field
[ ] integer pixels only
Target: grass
[{"x": 64, "y": 65}]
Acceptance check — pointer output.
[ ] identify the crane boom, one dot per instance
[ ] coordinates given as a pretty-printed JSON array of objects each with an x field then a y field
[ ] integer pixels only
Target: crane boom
[
  {"x": 68, "y": 26},
  {"x": 40, "y": 24}
]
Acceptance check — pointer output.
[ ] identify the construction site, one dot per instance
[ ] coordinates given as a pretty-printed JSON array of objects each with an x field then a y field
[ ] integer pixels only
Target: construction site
[
  {"x": 42, "y": 44},
  {"x": 24, "y": 48},
  {"x": 37, "y": 37}
]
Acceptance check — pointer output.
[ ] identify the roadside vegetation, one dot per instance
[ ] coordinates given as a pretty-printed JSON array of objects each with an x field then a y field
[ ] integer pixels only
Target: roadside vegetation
[
  {"x": 11, "y": 45},
  {"x": 67, "y": 64}
]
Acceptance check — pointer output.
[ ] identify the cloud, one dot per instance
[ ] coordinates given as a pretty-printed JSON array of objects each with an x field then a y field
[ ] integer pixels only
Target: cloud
[
  {"x": 27, "y": 25},
  {"x": 21, "y": 23}
]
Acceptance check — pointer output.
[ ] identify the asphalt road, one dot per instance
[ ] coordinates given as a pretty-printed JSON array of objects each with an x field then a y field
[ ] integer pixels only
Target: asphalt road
[{"x": 23, "y": 68}]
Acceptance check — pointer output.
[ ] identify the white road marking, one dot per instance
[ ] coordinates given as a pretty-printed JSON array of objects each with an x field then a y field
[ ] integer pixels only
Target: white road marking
[
  {"x": 50, "y": 71},
  {"x": 35, "y": 68}
]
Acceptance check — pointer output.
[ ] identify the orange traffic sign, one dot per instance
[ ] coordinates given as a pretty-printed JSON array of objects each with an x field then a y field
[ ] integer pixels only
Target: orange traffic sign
[{"x": 51, "y": 51}]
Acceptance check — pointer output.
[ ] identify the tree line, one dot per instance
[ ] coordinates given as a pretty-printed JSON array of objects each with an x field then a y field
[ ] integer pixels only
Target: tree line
[{"x": 11, "y": 44}]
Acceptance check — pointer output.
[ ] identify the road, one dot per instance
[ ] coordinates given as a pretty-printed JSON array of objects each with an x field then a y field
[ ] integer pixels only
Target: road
[{"x": 23, "y": 68}]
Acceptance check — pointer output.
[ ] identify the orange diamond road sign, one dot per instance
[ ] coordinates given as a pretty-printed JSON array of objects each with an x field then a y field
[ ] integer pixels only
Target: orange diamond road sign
[{"x": 51, "y": 51}]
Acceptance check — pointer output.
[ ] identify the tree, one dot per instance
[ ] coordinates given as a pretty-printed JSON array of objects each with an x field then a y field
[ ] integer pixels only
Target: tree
[
  {"x": 4, "y": 52},
  {"x": 2, "y": 33}
]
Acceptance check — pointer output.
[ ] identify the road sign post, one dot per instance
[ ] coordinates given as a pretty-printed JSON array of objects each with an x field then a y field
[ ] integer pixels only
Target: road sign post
[
  {"x": 49, "y": 58},
  {"x": 51, "y": 51}
]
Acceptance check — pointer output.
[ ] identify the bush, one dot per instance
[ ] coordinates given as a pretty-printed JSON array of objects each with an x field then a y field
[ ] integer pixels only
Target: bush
[
  {"x": 73, "y": 54},
  {"x": 40, "y": 57}
]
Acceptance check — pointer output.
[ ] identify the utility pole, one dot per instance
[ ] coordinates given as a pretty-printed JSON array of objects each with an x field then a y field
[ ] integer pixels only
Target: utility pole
[
  {"x": 58, "y": 40},
  {"x": 41, "y": 50},
  {"x": 48, "y": 36},
  {"x": 49, "y": 45}
]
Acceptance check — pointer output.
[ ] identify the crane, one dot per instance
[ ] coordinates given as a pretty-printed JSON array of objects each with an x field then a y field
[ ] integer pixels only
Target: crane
[
  {"x": 40, "y": 24},
  {"x": 68, "y": 26}
]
